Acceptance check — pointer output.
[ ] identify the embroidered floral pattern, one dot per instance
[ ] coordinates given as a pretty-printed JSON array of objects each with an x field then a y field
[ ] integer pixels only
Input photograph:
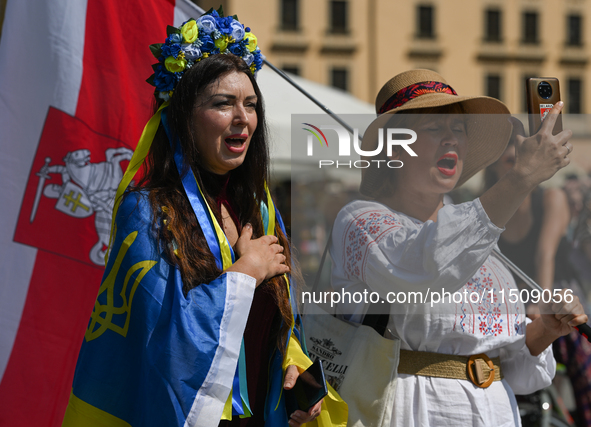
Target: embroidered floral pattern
[
  {"x": 366, "y": 229},
  {"x": 406, "y": 94},
  {"x": 487, "y": 317}
]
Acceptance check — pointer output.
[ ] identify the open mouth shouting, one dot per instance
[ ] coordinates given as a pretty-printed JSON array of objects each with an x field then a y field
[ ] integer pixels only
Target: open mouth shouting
[
  {"x": 236, "y": 143},
  {"x": 447, "y": 164}
]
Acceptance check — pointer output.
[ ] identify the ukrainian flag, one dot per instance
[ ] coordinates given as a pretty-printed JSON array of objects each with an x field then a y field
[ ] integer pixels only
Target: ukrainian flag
[{"x": 153, "y": 356}]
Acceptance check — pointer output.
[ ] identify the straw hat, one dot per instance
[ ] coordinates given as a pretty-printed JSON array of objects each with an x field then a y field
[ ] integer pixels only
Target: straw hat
[{"x": 488, "y": 127}]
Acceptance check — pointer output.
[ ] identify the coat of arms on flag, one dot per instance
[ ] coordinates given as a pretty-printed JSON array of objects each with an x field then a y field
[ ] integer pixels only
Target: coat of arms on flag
[{"x": 72, "y": 185}]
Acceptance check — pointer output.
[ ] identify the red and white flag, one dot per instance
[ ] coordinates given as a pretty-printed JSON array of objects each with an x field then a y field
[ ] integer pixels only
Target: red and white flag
[{"x": 73, "y": 103}]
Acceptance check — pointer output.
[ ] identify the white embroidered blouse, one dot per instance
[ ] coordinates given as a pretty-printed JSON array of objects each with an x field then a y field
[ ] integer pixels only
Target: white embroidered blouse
[{"x": 376, "y": 249}]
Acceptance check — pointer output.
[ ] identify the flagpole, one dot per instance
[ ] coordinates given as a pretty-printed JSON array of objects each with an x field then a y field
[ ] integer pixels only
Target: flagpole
[{"x": 311, "y": 98}]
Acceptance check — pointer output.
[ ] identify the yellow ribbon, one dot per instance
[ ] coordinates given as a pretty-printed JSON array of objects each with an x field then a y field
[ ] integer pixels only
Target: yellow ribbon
[
  {"x": 137, "y": 159},
  {"x": 222, "y": 240},
  {"x": 271, "y": 224}
]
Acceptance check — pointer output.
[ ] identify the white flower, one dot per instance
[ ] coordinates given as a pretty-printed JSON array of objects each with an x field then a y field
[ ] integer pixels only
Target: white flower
[
  {"x": 206, "y": 23},
  {"x": 248, "y": 58},
  {"x": 237, "y": 30},
  {"x": 191, "y": 50}
]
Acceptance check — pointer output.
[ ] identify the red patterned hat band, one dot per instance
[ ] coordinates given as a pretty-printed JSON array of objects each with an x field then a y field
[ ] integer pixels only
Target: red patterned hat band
[{"x": 406, "y": 94}]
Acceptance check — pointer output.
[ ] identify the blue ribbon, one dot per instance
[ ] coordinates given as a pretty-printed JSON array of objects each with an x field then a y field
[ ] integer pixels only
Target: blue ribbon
[
  {"x": 195, "y": 197},
  {"x": 242, "y": 374},
  {"x": 236, "y": 399}
]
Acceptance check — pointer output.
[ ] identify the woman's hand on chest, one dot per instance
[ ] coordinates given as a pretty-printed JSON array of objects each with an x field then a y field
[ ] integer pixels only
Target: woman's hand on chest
[{"x": 260, "y": 258}]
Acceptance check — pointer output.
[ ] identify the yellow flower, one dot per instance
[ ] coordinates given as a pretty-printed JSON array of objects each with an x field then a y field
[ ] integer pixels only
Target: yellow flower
[
  {"x": 252, "y": 41},
  {"x": 221, "y": 43},
  {"x": 175, "y": 65},
  {"x": 190, "y": 31}
]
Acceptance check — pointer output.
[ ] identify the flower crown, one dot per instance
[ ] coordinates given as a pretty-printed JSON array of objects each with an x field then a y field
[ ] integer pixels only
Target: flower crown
[{"x": 196, "y": 40}]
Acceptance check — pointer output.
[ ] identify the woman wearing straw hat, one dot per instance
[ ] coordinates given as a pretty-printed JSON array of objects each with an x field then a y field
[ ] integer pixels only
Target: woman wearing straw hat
[{"x": 468, "y": 347}]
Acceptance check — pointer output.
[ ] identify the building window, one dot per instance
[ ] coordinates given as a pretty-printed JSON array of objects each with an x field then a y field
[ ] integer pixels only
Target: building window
[
  {"x": 530, "y": 27},
  {"x": 574, "y": 27},
  {"x": 425, "y": 22},
  {"x": 340, "y": 78},
  {"x": 292, "y": 69},
  {"x": 492, "y": 26},
  {"x": 338, "y": 17},
  {"x": 493, "y": 86},
  {"x": 575, "y": 91},
  {"x": 289, "y": 15}
]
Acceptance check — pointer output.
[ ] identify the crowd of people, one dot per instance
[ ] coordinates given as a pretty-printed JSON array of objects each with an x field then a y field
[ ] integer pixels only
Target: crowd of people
[{"x": 212, "y": 334}]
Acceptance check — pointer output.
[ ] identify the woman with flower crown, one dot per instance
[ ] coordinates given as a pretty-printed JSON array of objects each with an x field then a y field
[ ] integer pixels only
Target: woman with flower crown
[
  {"x": 195, "y": 323},
  {"x": 466, "y": 345}
]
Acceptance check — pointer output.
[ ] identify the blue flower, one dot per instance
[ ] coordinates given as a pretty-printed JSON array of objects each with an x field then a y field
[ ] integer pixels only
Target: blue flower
[
  {"x": 214, "y": 13},
  {"x": 164, "y": 80},
  {"x": 237, "y": 30},
  {"x": 174, "y": 38},
  {"x": 208, "y": 44},
  {"x": 258, "y": 59},
  {"x": 224, "y": 24},
  {"x": 236, "y": 48},
  {"x": 191, "y": 50},
  {"x": 206, "y": 24},
  {"x": 171, "y": 50}
]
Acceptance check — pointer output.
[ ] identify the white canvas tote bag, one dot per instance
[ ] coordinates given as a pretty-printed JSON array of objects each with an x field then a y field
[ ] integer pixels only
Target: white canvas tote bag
[{"x": 359, "y": 363}]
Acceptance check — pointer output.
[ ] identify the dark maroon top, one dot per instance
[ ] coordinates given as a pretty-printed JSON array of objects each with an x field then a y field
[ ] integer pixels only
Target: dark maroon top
[
  {"x": 522, "y": 253},
  {"x": 258, "y": 346},
  {"x": 259, "y": 342}
]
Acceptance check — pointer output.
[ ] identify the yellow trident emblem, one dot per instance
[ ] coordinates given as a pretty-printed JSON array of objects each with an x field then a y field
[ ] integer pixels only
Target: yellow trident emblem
[{"x": 103, "y": 313}]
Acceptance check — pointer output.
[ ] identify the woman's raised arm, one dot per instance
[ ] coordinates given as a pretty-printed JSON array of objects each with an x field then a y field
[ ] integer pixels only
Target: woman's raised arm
[{"x": 538, "y": 158}]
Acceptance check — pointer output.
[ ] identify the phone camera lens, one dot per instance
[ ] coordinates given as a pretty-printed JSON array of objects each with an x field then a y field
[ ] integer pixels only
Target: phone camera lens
[{"x": 545, "y": 90}]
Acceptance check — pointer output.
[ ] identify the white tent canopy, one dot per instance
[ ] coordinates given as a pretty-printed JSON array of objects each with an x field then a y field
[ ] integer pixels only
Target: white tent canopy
[{"x": 282, "y": 100}]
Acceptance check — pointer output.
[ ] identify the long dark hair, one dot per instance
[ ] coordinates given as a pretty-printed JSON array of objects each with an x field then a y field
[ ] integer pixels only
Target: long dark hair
[{"x": 179, "y": 233}]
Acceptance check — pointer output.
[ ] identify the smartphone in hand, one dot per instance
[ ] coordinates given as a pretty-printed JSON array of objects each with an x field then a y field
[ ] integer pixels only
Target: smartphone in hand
[
  {"x": 542, "y": 94},
  {"x": 309, "y": 389}
]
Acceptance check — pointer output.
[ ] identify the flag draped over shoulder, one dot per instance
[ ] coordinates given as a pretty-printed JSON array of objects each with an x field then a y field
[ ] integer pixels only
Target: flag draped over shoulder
[
  {"x": 73, "y": 102},
  {"x": 175, "y": 360}
]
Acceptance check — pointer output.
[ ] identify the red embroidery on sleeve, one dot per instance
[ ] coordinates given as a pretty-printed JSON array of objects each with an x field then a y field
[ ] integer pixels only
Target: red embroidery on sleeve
[{"x": 366, "y": 229}]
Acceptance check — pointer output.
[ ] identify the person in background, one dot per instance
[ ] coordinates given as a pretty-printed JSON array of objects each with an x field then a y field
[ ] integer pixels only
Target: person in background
[
  {"x": 535, "y": 236},
  {"x": 535, "y": 239}
]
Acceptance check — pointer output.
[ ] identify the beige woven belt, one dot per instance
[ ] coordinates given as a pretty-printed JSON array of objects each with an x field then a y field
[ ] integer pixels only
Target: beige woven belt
[{"x": 479, "y": 368}]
